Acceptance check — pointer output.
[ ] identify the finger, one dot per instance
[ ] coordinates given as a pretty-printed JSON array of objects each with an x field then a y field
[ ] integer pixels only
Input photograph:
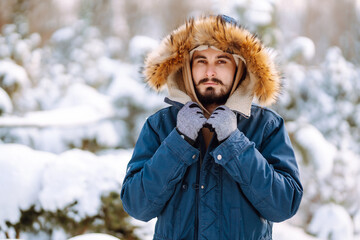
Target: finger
[{"x": 211, "y": 121}]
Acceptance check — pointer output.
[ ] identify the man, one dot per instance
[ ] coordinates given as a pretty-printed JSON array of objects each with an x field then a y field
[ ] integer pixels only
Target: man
[{"x": 213, "y": 165}]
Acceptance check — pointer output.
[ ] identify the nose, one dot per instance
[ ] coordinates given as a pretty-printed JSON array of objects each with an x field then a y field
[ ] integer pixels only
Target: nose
[{"x": 210, "y": 71}]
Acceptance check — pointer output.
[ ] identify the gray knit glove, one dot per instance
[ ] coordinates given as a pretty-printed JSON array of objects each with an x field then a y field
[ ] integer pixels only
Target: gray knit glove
[
  {"x": 223, "y": 121},
  {"x": 190, "y": 120}
]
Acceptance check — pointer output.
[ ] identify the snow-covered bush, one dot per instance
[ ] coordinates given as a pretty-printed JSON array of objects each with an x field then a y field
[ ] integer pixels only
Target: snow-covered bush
[
  {"x": 325, "y": 96},
  {"x": 13, "y": 77},
  {"x": 5, "y": 102},
  {"x": 139, "y": 46},
  {"x": 329, "y": 175},
  {"x": 71, "y": 92},
  {"x": 300, "y": 49},
  {"x": 321, "y": 105},
  {"x": 76, "y": 191},
  {"x": 332, "y": 222}
]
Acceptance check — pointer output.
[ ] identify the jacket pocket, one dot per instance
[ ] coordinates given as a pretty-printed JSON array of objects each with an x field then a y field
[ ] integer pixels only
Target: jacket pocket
[{"x": 236, "y": 224}]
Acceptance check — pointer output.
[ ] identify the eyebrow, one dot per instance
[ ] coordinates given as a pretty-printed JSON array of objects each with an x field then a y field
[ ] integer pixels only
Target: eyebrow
[
  {"x": 218, "y": 57},
  {"x": 224, "y": 56}
]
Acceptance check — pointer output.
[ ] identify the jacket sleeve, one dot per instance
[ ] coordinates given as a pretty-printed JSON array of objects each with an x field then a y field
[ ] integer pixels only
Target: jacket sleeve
[
  {"x": 154, "y": 171},
  {"x": 269, "y": 178}
]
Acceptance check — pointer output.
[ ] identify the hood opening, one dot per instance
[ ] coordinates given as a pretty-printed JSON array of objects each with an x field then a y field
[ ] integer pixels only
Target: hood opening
[
  {"x": 181, "y": 88},
  {"x": 258, "y": 79}
]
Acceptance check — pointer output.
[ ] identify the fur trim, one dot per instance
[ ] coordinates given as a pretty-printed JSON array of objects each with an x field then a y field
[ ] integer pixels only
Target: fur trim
[{"x": 169, "y": 57}]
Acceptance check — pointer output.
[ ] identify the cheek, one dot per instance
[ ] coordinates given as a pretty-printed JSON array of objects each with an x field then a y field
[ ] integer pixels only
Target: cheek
[
  {"x": 228, "y": 78},
  {"x": 196, "y": 75}
]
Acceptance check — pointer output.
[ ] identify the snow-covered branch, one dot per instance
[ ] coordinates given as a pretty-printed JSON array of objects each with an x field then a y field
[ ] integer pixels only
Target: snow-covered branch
[{"x": 59, "y": 118}]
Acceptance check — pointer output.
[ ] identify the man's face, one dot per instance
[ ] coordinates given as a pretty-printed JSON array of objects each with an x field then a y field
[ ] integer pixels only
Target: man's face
[{"x": 213, "y": 75}]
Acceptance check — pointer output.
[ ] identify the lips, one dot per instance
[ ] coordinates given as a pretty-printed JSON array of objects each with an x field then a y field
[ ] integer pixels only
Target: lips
[{"x": 210, "y": 83}]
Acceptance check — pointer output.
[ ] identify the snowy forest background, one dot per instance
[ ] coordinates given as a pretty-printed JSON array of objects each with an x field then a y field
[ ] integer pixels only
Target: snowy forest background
[{"x": 72, "y": 103}]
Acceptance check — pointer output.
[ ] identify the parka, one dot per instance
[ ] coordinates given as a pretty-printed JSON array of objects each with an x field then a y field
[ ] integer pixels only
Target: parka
[{"x": 230, "y": 190}]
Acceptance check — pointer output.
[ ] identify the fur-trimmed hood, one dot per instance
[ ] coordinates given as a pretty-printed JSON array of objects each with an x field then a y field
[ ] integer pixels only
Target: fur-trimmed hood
[{"x": 169, "y": 64}]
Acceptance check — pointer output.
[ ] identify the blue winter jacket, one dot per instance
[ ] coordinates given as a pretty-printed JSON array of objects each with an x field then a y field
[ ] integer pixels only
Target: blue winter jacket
[{"x": 234, "y": 190}]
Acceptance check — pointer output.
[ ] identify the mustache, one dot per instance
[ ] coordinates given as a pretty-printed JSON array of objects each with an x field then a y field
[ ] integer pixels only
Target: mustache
[{"x": 215, "y": 80}]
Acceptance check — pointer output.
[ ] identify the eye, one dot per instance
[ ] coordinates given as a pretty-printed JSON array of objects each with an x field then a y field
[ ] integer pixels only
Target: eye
[
  {"x": 221, "y": 61},
  {"x": 201, "y": 61}
]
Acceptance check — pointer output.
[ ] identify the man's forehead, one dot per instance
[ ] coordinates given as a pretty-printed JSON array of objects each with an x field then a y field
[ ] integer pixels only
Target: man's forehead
[
  {"x": 200, "y": 49},
  {"x": 211, "y": 52}
]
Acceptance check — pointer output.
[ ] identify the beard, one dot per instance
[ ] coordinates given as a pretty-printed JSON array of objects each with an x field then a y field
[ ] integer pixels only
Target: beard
[{"x": 209, "y": 96}]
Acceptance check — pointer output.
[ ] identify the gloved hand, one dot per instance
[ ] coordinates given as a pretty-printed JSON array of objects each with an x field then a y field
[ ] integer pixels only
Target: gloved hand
[
  {"x": 190, "y": 120},
  {"x": 223, "y": 121}
]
